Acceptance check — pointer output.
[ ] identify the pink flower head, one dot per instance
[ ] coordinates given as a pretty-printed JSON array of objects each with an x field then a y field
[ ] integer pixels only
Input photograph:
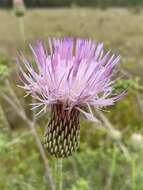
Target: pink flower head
[
  {"x": 72, "y": 76},
  {"x": 18, "y": 2}
]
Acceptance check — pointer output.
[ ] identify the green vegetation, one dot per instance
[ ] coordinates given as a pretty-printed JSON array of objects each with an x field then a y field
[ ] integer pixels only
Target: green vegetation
[
  {"x": 97, "y": 3},
  {"x": 110, "y": 156}
]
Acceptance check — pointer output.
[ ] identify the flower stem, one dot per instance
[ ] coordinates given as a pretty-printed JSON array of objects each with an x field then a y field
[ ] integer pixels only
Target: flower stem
[
  {"x": 59, "y": 174},
  {"x": 21, "y": 28},
  {"x": 112, "y": 169},
  {"x": 133, "y": 166}
]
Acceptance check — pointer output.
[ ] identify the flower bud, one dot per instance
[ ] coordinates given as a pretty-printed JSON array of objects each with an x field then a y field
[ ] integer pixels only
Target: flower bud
[
  {"x": 115, "y": 134},
  {"x": 136, "y": 141},
  {"x": 19, "y": 8}
]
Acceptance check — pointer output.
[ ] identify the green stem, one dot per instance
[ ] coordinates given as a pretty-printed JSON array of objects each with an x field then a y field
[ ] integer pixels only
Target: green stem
[
  {"x": 59, "y": 174},
  {"x": 22, "y": 28},
  {"x": 133, "y": 167},
  {"x": 112, "y": 170}
]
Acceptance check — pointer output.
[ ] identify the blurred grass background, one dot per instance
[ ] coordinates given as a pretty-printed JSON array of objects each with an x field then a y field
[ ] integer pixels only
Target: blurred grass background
[{"x": 109, "y": 158}]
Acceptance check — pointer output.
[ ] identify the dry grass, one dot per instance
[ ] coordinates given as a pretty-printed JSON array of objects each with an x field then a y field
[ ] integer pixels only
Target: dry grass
[{"x": 119, "y": 28}]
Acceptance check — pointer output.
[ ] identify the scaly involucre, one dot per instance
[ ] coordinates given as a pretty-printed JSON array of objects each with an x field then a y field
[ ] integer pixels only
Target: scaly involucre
[{"x": 72, "y": 76}]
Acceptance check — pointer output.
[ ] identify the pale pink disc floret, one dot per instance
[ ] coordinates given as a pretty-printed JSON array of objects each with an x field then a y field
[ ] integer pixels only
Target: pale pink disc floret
[{"x": 74, "y": 73}]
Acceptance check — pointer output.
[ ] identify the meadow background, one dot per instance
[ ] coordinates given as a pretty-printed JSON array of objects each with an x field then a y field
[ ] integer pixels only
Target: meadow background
[{"x": 109, "y": 157}]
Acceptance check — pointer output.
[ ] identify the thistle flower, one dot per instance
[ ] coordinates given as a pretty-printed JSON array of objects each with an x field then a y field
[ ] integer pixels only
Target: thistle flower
[
  {"x": 73, "y": 78},
  {"x": 19, "y": 8}
]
